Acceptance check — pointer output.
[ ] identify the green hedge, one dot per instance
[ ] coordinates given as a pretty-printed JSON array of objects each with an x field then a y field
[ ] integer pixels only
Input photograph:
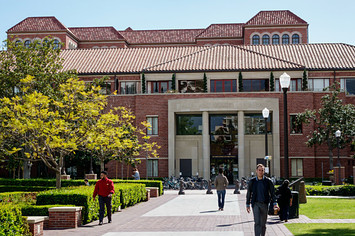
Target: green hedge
[
  {"x": 18, "y": 197},
  {"x": 131, "y": 194},
  {"x": 14, "y": 188},
  {"x": 147, "y": 183},
  {"x": 11, "y": 221},
  {"x": 35, "y": 210},
  {"x": 339, "y": 190}
]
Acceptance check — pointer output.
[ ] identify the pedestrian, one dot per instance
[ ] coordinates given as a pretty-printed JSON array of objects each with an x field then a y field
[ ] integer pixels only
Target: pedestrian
[
  {"x": 86, "y": 181},
  {"x": 104, "y": 188},
  {"x": 136, "y": 174},
  {"x": 260, "y": 192},
  {"x": 284, "y": 200},
  {"x": 221, "y": 183}
]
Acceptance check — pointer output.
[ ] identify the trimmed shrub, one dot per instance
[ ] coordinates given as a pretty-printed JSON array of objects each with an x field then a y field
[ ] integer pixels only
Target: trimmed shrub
[
  {"x": 35, "y": 210},
  {"x": 340, "y": 190},
  {"x": 18, "y": 197},
  {"x": 147, "y": 183},
  {"x": 131, "y": 194},
  {"x": 14, "y": 188},
  {"x": 11, "y": 221}
]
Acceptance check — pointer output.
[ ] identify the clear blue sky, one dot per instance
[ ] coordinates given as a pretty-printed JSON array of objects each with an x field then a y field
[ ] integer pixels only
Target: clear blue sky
[{"x": 330, "y": 21}]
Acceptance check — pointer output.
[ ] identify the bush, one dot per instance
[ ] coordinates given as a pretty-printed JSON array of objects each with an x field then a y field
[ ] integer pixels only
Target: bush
[
  {"x": 147, "y": 183},
  {"x": 18, "y": 197},
  {"x": 34, "y": 210},
  {"x": 12, "y": 222},
  {"x": 131, "y": 194},
  {"x": 340, "y": 190},
  {"x": 14, "y": 188}
]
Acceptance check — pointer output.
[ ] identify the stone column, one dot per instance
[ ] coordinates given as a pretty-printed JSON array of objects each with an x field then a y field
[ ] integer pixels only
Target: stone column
[
  {"x": 205, "y": 145},
  {"x": 171, "y": 143},
  {"x": 242, "y": 171}
]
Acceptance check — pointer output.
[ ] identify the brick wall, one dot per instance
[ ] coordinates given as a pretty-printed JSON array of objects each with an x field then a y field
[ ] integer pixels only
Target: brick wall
[{"x": 64, "y": 217}]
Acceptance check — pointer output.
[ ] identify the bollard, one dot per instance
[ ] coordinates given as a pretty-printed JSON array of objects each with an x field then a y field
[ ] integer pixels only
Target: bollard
[
  {"x": 236, "y": 190},
  {"x": 302, "y": 193},
  {"x": 209, "y": 190},
  {"x": 181, "y": 192}
]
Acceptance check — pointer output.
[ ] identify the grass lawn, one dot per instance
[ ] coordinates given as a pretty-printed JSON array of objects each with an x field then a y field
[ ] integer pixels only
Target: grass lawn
[
  {"x": 328, "y": 208},
  {"x": 321, "y": 229}
]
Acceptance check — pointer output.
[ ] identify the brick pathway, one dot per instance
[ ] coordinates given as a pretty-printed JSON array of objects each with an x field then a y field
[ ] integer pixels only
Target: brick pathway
[{"x": 193, "y": 217}]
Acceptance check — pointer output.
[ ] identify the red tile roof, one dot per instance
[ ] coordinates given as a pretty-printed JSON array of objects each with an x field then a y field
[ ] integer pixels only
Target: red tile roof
[
  {"x": 96, "y": 33},
  {"x": 161, "y": 36},
  {"x": 30, "y": 24},
  {"x": 223, "y": 31},
  {"x": 313, "y": 56},
  {"x": 224, "y": 58},
  {"x": 275, "y": 18}
]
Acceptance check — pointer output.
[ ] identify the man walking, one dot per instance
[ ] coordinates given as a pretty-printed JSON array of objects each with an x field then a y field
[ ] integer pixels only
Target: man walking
[
  {"x": 221, "y": 183},
  {"x": 260, "y": 191},
  {"x": 104, "y": 188}
]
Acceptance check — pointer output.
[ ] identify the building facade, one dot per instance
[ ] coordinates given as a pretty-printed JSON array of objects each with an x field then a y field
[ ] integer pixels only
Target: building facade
[{"x": 210, "y": 115}]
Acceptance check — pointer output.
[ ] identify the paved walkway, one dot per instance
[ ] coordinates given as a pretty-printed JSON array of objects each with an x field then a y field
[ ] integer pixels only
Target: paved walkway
[{"x": 192, "y": 214}]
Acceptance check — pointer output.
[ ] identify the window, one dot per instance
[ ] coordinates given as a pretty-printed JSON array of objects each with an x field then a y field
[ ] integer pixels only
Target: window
[
  {"x": 152, "y": 168},
  {"x": 27, "y": 43},
  {"x": 128, "y": 87},
  {"x": 255, "y": 85},
  {"x": 18, "y": 42},
  {"x": 296, "y": 167},
  {"x": 56, "y": 44},
  {"x": 159, "y": 86},
  {"x": 266, "y": 39},
  {"x": 348, "y": 85},
  {"x": 191, "y": 86},
  {"x": 295, "y": 39},
  {"x": 318, "y": 84},
  {"x": 285, "y": 39},
  {"x": 275, "y": 39},
  {"x": 153, "y": 130},
  {"x": 294, "y": 127},
  {"x": 255, "y": 124},
  {"x": 188, "y": 124},
  {"x": 295, "y": 85},
  {"x": 256, "y": 40},
  {"x": 105, "y": 88},
  {"x": 224, "y": 85}
]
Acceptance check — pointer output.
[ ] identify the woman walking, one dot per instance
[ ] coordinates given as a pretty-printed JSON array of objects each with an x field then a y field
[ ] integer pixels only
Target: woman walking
[
  {"x": 221, "y": 183},
  {"x": 284, "y": 200}
]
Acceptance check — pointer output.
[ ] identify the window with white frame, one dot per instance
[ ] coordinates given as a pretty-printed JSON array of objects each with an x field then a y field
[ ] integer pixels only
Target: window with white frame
[
  {"x": 348, "y": 85},
  {"x": 297, "y": 167},
  {"x": 295, "y": 85},
  {"x": 128, "y": 87},
  {"x": 256, "y": 40},
  {"x": 318, "y": 84},
  {"x": 153, "y": 168},
  {"x": 295, "y": 128},
  {"x": 153, "y": 121}
]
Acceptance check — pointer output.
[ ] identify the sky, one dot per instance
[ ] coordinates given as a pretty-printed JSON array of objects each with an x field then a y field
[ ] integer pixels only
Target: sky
[{"x": 330, "y": 21}]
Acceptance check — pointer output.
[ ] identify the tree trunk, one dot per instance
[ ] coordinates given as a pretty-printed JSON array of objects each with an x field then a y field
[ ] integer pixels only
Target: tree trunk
[
  {"x": 58, "y": 183},
  {"x": 330, "y": 155},
  {"x": 102, "y": 164}
]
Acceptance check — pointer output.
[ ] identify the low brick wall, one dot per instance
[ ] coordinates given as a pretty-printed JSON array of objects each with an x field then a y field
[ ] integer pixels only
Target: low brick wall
[
  {"x": 154, "y": 191},
  {"x": 64, "y": 217},
  {"x": 36, "y": 225},
  {"x": 90, "y": 176},
  {"x": 148, "y": 195}
]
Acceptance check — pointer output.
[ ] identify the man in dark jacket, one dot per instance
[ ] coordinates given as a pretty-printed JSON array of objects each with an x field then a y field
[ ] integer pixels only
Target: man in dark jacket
[
  {"x": 260, "y": 192},
  {"x": 104, "y": 188}
]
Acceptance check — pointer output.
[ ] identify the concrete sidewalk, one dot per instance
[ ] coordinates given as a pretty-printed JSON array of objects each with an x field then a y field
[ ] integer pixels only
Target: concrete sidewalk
[{"x": 194, "y": 213}]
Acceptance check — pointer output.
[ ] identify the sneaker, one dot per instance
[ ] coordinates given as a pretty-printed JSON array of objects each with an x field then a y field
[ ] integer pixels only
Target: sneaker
[
  {"x": 100, "y": 223},
  {"x": 221, "y": 209},
  {"x": 110, "y": 221}
]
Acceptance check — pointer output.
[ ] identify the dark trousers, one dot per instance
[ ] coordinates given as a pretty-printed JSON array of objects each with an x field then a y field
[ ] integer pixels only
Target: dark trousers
[
  {"x": 221, "y": 196},
  {"x": 102, "y": 202},
  {"x": 260, "y": 217},
  {"x": 284, "y": 211}
]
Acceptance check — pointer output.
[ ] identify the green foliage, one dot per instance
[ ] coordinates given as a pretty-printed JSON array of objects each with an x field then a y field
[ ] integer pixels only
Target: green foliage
[
  {"x": 332, "y": 116},
  {"x": 35, "y": 210},
  {"x": 240, "y": 82},
  {"x": 313, "y": 229},
  {"x": 205, "y": 89},
  {"x": 173, "y": 82},
  {"x": 304, "y": 81},
  {"x": 11, "y": 188},
  {"x": 18, "y": 197},
  {"x": 339, "y": 190},
  {"x": 272, "y": 82},
  {"x": 131, "y": 194},
  {"x": 11, "y": 221},
  {"x": 143, "y": 83},
  {"x": 147, "y": 183}
]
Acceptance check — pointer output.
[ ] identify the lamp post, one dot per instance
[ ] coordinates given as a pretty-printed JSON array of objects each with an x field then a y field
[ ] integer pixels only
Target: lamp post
[
  {"x": 266, "y": 116},
  {"x": 337, "y": 135},
  {"x": 285, "y": 84}
]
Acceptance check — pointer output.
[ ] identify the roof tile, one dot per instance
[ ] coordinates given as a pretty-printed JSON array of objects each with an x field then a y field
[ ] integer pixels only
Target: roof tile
[
  {"x": 223, "y": 31},
  {"x": 96, "y": 33},
  {"x": 275, "y": 18},
  {"x": 29, "y": 24}
]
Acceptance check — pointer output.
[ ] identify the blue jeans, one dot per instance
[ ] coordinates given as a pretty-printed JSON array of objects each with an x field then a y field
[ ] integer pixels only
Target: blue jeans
[
  {"x": 260, "y": 218},
  {"x": 221, "y": 195},
  {"x": 102, "y": 202}
]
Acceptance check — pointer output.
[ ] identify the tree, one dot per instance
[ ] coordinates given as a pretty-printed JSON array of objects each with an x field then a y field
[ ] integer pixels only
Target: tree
[
  {"x": 49, "y": 128},
  {"x": 205, "y": 89},
  {"x": 272, "y": 82},
  {"x": 173, "y": 82},
  {"x": 143, "y": 83},
  {"x": 240, "y": 82},
  {"x": 304, "y": 81},
  {"x": 332, "y": 116}
]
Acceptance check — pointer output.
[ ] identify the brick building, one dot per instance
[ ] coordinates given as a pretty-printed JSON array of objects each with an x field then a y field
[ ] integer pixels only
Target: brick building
[{"x": 200, "y": 131}]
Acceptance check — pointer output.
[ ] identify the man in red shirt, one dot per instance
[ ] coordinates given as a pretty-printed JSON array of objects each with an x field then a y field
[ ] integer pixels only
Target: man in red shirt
[{"x": 104, "y": 188}]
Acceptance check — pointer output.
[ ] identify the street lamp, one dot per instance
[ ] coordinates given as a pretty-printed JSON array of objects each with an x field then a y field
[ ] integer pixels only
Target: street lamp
[
  {"x": 285, "y": 84},
  {"x": 266, "y": 116},
  {"x": 337, "y": 135}
]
